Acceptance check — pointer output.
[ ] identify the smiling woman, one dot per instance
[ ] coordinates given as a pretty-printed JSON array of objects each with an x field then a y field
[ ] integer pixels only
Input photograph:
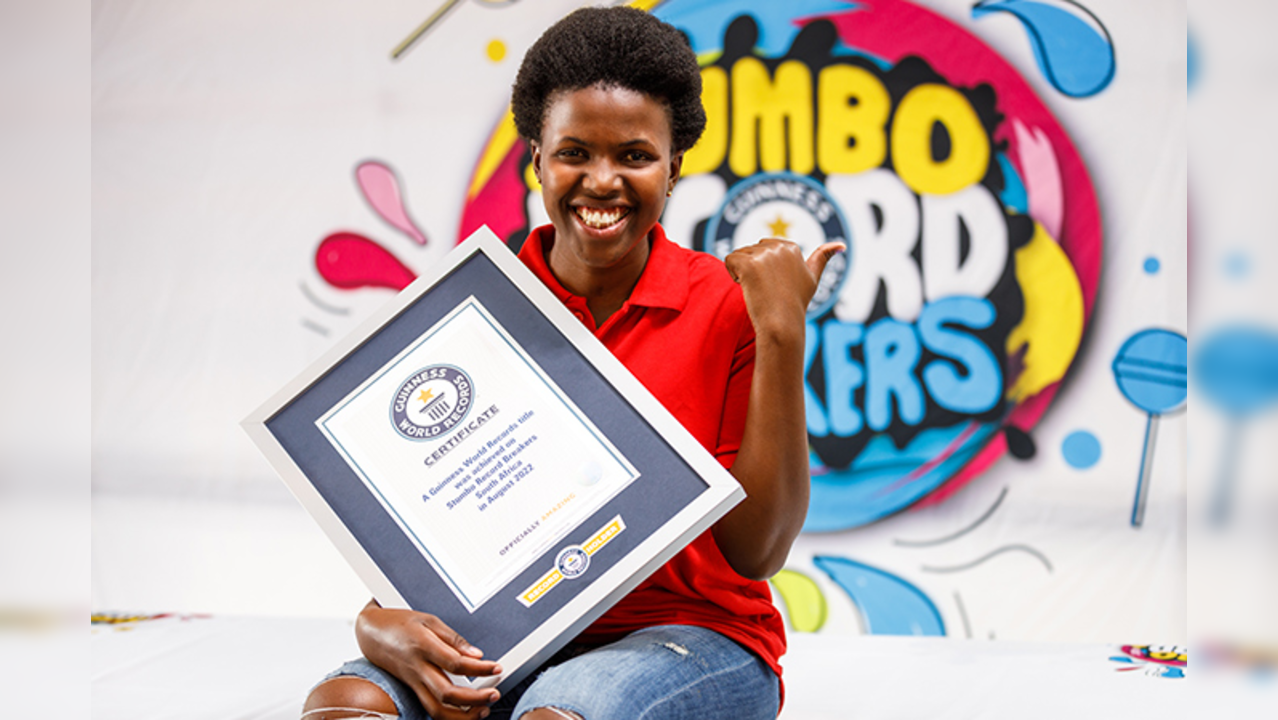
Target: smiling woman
[{"x": 609, "y": 100}]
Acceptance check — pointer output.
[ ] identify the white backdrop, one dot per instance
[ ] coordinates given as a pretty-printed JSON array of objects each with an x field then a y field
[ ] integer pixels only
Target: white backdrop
[{"x": 225, "y": 135}]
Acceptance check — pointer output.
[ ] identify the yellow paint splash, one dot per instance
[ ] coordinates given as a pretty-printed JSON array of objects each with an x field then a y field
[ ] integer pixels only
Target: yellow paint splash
[
  {"x": 803, "y": 600},
  {"x": 496, "y": 50},
  {"x": 499, "y": 144},
  {"x": 1052, "y": 327}
]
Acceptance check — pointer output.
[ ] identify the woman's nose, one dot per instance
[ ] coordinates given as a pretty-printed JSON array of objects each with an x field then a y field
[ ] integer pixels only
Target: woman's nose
[{"x": 602, "y": 177}]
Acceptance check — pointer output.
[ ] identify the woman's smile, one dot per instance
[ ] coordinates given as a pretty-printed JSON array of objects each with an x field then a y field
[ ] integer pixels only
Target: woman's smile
[{"x": 600, "y": 218}]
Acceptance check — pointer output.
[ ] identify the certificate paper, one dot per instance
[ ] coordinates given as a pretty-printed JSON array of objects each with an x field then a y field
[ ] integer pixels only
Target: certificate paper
[
  {"x": 475, "y": 453},
  {"x": 493, "y": 442}
]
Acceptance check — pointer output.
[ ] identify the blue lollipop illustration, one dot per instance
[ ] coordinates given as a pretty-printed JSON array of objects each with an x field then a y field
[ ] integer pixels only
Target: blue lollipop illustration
[
  {"x": 1237, "y": 370},
  {"x": 1150, "y": 370}
]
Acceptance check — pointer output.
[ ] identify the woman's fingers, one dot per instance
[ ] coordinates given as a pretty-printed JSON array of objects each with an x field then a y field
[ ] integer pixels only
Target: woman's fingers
[
  {"x": 446, "y": 651},
  {"x": 774, "y": 250},
  {"x": 760, "y": 257},
  {"x": 445, "y": 701},
  {"x": 446, "y": 648},
  {"x": 450, "y": 708},
  {"x": 817, "y": 260},
  {"x": 447, "y": 658},
  {"x": 774, "y": 270},
  {"x": 421, "y": 650}
]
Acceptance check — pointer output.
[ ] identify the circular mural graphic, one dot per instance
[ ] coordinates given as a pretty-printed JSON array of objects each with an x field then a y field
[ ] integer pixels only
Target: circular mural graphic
[
  {"x": 789, "y": 206},
  {"x": 973, "y": 230}
]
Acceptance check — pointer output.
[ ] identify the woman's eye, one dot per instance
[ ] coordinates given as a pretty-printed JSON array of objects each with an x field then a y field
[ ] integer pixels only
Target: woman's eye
[{"x": 636, "y": 156}]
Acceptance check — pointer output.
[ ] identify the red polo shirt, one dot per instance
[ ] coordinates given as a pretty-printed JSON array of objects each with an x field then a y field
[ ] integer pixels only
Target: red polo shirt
[{"x": 685, "y": 335}]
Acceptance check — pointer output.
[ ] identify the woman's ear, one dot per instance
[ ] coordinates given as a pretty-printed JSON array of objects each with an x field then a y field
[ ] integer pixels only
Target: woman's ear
[
  {"x": 676, "y": 165},
  {"x": 536, "y": 159}
]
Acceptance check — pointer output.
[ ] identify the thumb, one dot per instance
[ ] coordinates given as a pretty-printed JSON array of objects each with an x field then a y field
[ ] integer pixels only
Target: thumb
[{"x": 819, "y": 257}]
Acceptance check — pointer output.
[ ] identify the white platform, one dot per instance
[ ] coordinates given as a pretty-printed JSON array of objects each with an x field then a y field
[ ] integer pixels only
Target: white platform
[
  {"x": 229, "y": 668},
  {"x": 281, "y": 602}
]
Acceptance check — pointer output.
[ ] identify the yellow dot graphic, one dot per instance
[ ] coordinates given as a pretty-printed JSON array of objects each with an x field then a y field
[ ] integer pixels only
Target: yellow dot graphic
[{"x": 496, "y": 50}]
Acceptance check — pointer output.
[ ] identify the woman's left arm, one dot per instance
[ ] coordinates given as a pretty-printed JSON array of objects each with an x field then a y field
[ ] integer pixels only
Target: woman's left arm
[{"x": 772, "y": 464}]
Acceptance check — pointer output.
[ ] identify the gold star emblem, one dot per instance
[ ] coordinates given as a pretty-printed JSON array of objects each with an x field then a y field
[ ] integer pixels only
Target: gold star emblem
[
  {"x": 779, "y": 227},
  {"x": 426, "y": 396}
]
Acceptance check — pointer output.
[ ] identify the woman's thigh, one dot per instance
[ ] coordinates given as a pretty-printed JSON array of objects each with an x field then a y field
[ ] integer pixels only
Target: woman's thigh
[{"x": 668, "y": 672}]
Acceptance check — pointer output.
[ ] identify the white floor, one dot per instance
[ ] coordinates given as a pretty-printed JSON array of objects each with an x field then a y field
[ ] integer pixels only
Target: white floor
[
  {"x": 282, "y": 601},
  {"x": 156, "y": 554},
  {"x": 261, "y": 669}
]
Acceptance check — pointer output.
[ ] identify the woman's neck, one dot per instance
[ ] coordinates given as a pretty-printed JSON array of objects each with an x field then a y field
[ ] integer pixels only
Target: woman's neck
[{"x": 605, "y": 289}]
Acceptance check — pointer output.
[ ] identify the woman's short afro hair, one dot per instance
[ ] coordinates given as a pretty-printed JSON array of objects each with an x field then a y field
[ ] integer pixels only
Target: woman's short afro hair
[{"x": 613, "y": 47}]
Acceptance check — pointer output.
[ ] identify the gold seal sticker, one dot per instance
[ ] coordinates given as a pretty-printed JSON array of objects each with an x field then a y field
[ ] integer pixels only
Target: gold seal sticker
[{"x": 572, "y": 561}]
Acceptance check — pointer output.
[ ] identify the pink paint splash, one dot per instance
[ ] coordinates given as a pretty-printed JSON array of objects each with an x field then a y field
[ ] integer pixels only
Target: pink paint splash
[
  {"x": 500, "y": 204},
  {"x": 1042, "y": 178},
  {"x": 350, "y": 261},
  {"x": 381, "y": 188}
]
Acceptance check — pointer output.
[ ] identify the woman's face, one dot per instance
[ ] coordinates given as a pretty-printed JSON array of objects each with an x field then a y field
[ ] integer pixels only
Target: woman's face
[{"x": 605, "y": 164}]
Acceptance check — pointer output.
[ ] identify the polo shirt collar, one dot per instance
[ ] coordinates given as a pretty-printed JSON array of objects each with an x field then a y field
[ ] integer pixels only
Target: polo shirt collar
[{"x": 663, "y": 284}]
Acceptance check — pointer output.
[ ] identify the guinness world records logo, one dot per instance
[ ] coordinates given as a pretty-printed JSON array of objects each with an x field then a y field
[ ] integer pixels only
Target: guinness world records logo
[
  {"x": 431, "y": 401},
  {"x": 788, "y": 206},
  {"x": 572, "y": 562}
]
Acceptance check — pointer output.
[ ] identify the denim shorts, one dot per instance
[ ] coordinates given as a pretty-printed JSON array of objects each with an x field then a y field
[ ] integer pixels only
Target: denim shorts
[{"x": 666, "y": 672}]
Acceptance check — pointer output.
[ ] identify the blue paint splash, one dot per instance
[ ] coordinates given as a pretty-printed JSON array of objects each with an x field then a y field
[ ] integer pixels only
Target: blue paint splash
[
  {"x": 1081, "y": 449},
  {"x": 1237, "y": 265},
  {"x": 705, "y": 22},
  {"x": 1191, "y": 62},
  {"x": 888, "y": 604},
  {"x": 884, "y": 479},
  {"x": 1236, "y": 369},
  {"x": 1014, "y": 195},
  {"x": 1073, "y": 49}
]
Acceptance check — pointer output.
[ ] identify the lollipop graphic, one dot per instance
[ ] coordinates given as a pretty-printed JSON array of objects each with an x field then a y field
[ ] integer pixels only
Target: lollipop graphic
[
  {"x": 1150, "y": 370},
  {"x": 1237, "y": 370}
]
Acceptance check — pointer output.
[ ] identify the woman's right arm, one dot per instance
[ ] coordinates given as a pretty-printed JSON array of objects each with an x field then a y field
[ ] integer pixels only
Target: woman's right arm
[{"x": 418, "y": 648}]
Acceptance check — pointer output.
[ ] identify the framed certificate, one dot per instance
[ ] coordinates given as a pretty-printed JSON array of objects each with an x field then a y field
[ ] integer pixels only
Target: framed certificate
[{"x": 475, "y": 453}]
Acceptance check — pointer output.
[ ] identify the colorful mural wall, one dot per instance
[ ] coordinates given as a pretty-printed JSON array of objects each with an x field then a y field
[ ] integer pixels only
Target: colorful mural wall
[{"x": 996, "y": 371}]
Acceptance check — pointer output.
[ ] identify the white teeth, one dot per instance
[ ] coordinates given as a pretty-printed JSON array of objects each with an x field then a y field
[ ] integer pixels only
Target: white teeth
[{"x": 596, "y": 218}]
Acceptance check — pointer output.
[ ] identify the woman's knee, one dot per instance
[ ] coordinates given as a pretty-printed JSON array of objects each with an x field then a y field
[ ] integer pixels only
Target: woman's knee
[
  {"x": 346, "y": 697},
  {"x": 550, "y": 713}
]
